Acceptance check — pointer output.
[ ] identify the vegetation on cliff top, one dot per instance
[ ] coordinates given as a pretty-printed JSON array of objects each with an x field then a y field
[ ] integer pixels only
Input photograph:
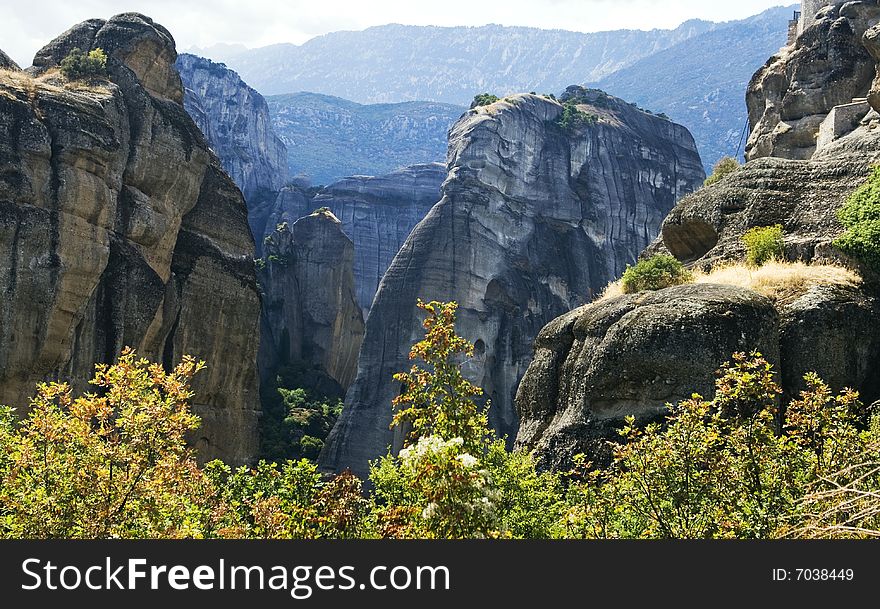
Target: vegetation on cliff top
[
  {"x": 724, "y": 167},
  {"x": 654, "y": 273},
  {"x": 79, "y": 65}
]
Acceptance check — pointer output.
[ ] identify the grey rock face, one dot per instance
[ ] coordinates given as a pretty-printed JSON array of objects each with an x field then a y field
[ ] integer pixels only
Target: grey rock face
[
  {"x": 632, "y": 355},
  {"x": 119, "y": 228},
  {"x": 6, "y": 62},
  {"x": 377, "y": 213},
  {"x": 830, "y": 330},
  {"x": 828, "y": 65},
  {"x": 534, "y": 220},
  {"x": 235, "y": 121},
  {"x": 310, "y": 313}
]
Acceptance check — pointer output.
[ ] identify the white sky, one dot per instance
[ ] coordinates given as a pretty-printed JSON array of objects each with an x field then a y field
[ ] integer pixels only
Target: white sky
[{"x": 26, "y": 27}]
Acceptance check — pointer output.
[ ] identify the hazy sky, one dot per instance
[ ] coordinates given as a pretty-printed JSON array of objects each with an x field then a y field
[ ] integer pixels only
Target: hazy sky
[{"x": 26, "y": 27}]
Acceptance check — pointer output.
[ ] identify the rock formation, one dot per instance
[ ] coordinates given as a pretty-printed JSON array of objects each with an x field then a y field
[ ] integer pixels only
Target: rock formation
[
  {"x": 535, "y": 219},
  {"x": 631, "y": 356},
  {"x": 119, "y": 227},
  {"x": 827, "y": 66},
  {"x": 310, "y": 313},
  {"x": 377, "y": 213},
  {"x": 6, "y": 62},
  {"x": 574, "y": 395},
  {"x": 235, "y": 120}
]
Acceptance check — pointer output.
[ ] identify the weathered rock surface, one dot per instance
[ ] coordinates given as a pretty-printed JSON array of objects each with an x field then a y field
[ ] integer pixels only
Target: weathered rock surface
[
  {"x": 118, "y": 227},
  {"x": 377, "y": 213},
  {"x": 632, "y": 355},
  {"x": 827, "y": 66},
  {"x": 830, "y": 330},
  {"x": 534, "y": 220},
  {"x": 235, "y": 120},
  {"x": 802, "y": 196},
  {"x": 6, "y": 62},
  {"x": 310, "y": 313}
]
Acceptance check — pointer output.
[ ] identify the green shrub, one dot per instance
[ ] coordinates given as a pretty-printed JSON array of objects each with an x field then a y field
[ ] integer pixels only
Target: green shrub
[
  {"x": 484, "y": 99},
  {"x": 721, "y": 468},
  {"x": 655, "y": 273},
  {"x": 79, "y": 65},
  {"x": 763, "y": 244},
  {"x": 861, "y": 217},
  {"x": 723, "y": 167},
  {"x": 573, "y": 118}
]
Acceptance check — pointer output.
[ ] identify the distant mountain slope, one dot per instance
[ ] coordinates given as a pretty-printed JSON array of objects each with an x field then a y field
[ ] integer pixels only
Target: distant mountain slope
[
  {"x": 329, "y": 138},
  {"x": 701, "y": 82},
  {"x": 393, "y": 63}
]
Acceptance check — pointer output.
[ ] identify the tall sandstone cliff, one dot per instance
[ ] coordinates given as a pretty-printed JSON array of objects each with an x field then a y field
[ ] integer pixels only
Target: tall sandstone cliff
[
  {"x": 378, "y": 213},
  {"x": 118, "y": 227},
  {"x": 534, "y": 219},
  {"x": 634, "y": 354}
]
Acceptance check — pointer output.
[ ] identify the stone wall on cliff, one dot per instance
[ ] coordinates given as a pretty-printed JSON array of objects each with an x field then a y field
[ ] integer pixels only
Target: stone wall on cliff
[
  {"x": 535, "y": 219},
  {"x": 118, "y": 227}
]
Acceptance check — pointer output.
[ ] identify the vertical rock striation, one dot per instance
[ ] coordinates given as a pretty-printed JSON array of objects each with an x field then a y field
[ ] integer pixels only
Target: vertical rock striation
[
  {"x": 377, "y": 212},
  {"x": 535, "y": 219},
  {"x": 235, "y": 120},
  {"x": 118, "y": 227},
  {"x": 310, "y": 313}
]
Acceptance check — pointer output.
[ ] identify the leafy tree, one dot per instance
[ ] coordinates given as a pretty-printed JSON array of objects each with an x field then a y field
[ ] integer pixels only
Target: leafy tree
[
  {"x": 113, "y": 464},
  {"x": 454, "y": 478},
  {"x": 484, "y": 99},
  {"x": 78, "y": 65},
  {"x": 437, "y": 400},
  {"x": 763, "y": 244},
  {"x": 655, "y": 273},
  {"x": 724, "y": 167},
  {"x": 288, "y": 501},
  {"x": 861, "y": 218},
  {"x": 720, "y": 467}
]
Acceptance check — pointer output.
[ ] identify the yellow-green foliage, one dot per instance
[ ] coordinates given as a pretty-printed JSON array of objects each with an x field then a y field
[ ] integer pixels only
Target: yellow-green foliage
[
  {"x": 116, "y": 465},
  {"x": 861, "y": 217},
  {"x": 763, "y": 244},
  {"x": 79, "y": 65},
  {"x": 655, "y": 273},
  {"x": 719, "y": 468},
  {"x": 723, "y": 167}
]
